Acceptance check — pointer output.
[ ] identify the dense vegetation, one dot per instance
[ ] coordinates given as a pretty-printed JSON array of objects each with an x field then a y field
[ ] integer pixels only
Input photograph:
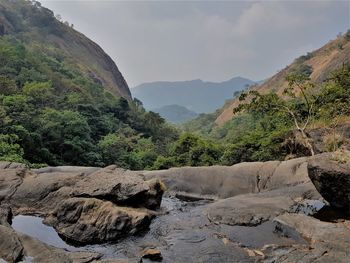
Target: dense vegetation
[
  {"x": 263, "y": 127},
  {"x": 53, "y": 113}
]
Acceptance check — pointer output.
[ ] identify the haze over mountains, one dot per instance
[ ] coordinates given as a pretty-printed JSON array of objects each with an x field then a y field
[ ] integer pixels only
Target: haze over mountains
[{"x": 196, "y": 95}]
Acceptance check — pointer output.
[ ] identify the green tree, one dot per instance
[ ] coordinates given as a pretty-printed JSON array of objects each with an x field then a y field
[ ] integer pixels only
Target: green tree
[{"x": 10, "y": 150}]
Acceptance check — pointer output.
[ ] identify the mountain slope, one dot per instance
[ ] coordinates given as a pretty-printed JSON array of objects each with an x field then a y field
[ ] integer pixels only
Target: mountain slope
[
  {"x": 196, "y": 95},
  {"x": 322, "y": 61},
  {"x": 176, "y": 113},
  {"x": 63, "y": 100},
  {"x": 37, "y": 26}
]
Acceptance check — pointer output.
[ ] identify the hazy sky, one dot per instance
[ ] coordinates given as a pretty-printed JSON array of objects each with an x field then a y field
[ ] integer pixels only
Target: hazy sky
[{"x": 211, "y": 40}]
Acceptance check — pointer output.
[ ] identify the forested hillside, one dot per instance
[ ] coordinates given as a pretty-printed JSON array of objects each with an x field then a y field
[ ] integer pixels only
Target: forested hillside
[
  {"x": 318, "y": 64},
  {"x": 295, "y": 113},
  {"x": 57, "y": 108}
]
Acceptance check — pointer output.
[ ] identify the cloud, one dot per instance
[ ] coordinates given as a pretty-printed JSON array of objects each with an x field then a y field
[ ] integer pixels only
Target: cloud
[{"x": 210, "y": 40}]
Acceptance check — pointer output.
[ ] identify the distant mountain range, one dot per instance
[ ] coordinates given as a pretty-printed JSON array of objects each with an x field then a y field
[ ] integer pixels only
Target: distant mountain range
[
  {"x": 175, "y": 113},
  {"x": 196, "y": 95}
]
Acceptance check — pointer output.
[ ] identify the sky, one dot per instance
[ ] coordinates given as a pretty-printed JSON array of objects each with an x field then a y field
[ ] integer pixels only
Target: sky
[{"x": 208, "y": 40}]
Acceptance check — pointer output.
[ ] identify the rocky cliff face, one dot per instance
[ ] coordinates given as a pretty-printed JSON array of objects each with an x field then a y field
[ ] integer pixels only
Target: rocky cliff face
[{"x": 36, "y": 25}]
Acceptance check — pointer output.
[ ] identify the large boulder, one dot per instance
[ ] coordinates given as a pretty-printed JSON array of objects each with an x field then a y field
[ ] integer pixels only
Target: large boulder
[
  {"x": 121, "y": 187},
  {"x": 330, "y": 173},
  {"x": 90, "y": 220},
  {"x": 215, "y": 181}
]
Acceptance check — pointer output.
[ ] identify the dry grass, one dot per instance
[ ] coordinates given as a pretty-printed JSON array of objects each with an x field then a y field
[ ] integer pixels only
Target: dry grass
[{"x": 341, "y": 156}]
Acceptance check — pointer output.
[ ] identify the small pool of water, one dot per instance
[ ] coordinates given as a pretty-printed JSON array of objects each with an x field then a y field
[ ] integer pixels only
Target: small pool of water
[{"x": 33, "y": 226}]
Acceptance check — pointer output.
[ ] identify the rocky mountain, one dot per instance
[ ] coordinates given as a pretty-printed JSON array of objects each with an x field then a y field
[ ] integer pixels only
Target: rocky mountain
[
  {"x": 320, "y": 62},
  {"x": 176, "y": 113},
  {"x": 196, "y": 95},
  {"x": 38, "y": 27}
]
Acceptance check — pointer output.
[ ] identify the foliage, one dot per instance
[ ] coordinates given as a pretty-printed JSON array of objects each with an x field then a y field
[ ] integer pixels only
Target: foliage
[
  {"x": 10, "y": 150},
  {"x": 51, "y": 113}
]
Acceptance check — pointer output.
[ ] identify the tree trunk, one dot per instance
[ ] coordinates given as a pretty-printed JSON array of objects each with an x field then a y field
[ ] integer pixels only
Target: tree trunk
[{"x": 307, "y": 142}]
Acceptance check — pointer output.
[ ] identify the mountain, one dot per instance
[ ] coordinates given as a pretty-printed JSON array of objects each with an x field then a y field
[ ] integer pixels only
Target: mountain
[
  {"x": 63, "y": 100},
  {"x": 38, "y": 28},
  {"x": 196, "y": 95},
  {"x": 176, "y": 113},
  {"x": 321, "y": 62}
]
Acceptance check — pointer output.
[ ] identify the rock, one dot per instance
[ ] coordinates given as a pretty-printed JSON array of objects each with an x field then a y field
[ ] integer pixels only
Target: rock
[
  {"x": 120, "y": 187},
  {"x": 329, "y": 242},
  {"x": 10, "y": 179},
  {"x": 5, "y": 215},
  {"x": 330, "y": 173},
  {"x": 40, "y": 252},
  {"x": 11, "y": 248},
  {"x": 117, "y": 260},
  {"x": 152, "y": 254},
  {"x": 41, "y": 193},
  {"x": 84, "y": 257},
  {"x": 67, "y": 169},
  {"x": 214, "y": 181},
  {"x": 248, "y": 210},
  {"x": 90, "y": 220}
]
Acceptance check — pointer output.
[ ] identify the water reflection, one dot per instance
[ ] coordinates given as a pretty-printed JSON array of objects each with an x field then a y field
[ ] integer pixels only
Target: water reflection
[{"x": 34, "y": 227}]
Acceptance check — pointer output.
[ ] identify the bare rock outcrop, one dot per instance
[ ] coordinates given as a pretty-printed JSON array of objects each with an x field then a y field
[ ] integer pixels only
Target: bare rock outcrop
[
  {"x": 85, "y": 205},
  {"x": 250, "y": 212}
]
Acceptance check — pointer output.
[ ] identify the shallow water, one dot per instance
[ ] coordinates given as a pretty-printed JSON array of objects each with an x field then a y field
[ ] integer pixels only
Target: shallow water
[
  {"x": 33, "y": 226},
  {"x": 181, "y": 232}
]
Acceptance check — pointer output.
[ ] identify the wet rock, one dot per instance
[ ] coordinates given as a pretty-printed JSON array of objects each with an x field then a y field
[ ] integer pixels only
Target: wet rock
[
  {"x": 90, "y": 220},
  {"x": 11, "y": 248},
  {"x": 330, "y": 173},
  {"x": 152, "y": 254},
  {"x": 120, "y": 187}
]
